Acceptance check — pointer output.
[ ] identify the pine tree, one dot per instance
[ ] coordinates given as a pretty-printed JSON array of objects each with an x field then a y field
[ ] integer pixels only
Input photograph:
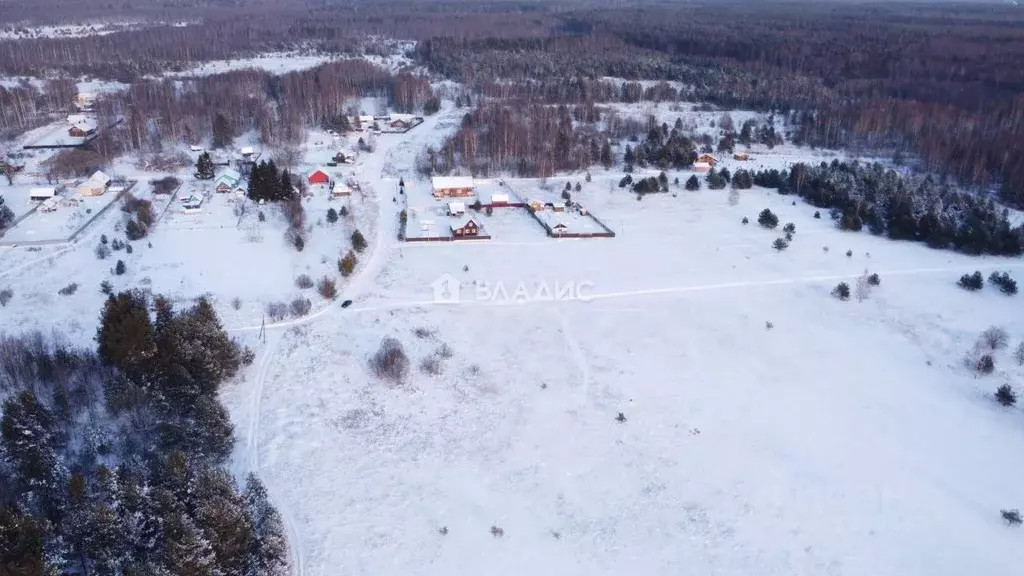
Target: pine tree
[
  {"x": 204, "y": 167},
  {"x": 29, "y": 438},
  {"x": 125, "y": 337},
  {"x": 185, "y": 548},
  {"x": 22, "y": 542},
  {"x": 224, "y": 520},
  {"x": 332, "y": 215},
  {"x": 358, "y": 242},
  {"x": 268, "y": 554},
  {"x": 693, "y": 184},
  {"x": 606, "y": 155},
  {"x": 6, "y": 214}
]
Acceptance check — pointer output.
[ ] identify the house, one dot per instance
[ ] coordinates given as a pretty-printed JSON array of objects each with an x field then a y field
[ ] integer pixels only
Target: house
[
  {"x": 400, "y": 124},
  {"x": 456, "y": 208},
  {"x": 709, "y": 159},
  {"x": 536, "y": 205},
  {"x": 241, "y": 192},
  {"x": 41, "y": 194},
  {"x": 83, "y": 129},
  {"x": 342, "y": 158},
  {"x": 559, "y": 228},
  {"x": 499, "y": 199},
  {"x": 701, "y": 167},
  {"x": 85, "y": 100},
  {"x": 741, "y": 156},
  {"x": 191, "y": 204},
  {"x": 319, "y": 176},
  {"x": 76, "y": 118},
  {"x": 227, "y": 181},
  {"x": 452, "y": 186},
  {"x": 341, "y": 190},
  {"x": 464, "y": 228},
  {"x": 96, "y": 185},
  {"x": 248, "y": 152},
  {"x": 195, "y": 148}
]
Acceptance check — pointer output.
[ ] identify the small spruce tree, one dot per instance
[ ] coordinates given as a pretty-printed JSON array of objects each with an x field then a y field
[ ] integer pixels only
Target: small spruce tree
[{"x": 1005, "y": 395}]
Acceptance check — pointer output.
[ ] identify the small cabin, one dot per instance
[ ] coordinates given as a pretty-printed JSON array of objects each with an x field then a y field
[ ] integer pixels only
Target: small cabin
[{"x": 466, "y": 228}]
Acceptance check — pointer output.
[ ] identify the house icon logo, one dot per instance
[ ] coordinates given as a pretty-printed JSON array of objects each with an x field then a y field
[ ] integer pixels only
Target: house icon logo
[{"x": 446, "y": 289}]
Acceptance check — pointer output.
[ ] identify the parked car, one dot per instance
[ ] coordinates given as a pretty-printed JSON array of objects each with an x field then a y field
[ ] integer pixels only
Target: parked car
[{"x": 346, "y": 303}]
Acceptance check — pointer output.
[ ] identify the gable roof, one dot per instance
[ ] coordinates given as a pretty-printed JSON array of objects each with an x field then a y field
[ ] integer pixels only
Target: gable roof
[
  {"x": 42, "y": 192},
  {"x": 463, "y": 222},
  {"x": 97, "y": 180},
  {"x": 445, "y": 182},
  {"x": 229, "y": 177}
]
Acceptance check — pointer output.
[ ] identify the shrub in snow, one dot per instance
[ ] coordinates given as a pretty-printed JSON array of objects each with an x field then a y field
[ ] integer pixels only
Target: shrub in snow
[
  {"x": 343, "y": 211},
  {"x": 443, "y": 530},
  {"x": 103, "y": 238},
  {"x": 327, "y": 288},
  {"x": 5, "y": 296},
  {"x": 621, "y": 417},
  {"x": 1006, "y": 284},
  {"x": 769, "y": 325},
  {"x": 1018, "y": 354},
  {"x": 236, "y": 303},
  {"x": 102, "y": 251},
  {"x": 1011, "y": 517},
  {"x": 300, "y": 306},
  {"x": 789, "y": 228},
  {"x": 497, "y": 532},
  {"x": 68, "y": 290},
  {"x": 824, "y": 249},
  {"x": 767, "y": 219},
  {"x": 746, "y": 220},
  {"x": 849, "y": 253},
  {"x": 261, "y": 216},
  {"x": 247, "y": 356},
  {"x": 106, "y": 287},
  {"x": 332, "y": 215},
  {"x": 277, "y": 311},
  {"x": 358, "y": 242},
  {"x": 1005, "y": 395},
  {"x": 390, "y": 361},
  {"x": 971, "y": 282},
  {"x": 985, "y": 364},
  {"x": 347, "y": 264},
  {"x": 780, "y": 244},
  {"x": 444, "y": 350},
  {"x": 842, "y": 291},
  {"x": 296, "y": 239},
  {"x": 117, "y": 245},
  {"x": 817, "y": 215},
  {"x": 120, "y": 268},
  {"x": 432, "y": 365},
  {"x": 135, "y": 229},
  {"x": 693, "y": 183},
  {"x": 422, "y": 332},
  {"x": 995, "y": 338},
  {"x": 303, "y": 281},
  {"x": 128, "y": 248},
  {"x": 874, "y": 280}
]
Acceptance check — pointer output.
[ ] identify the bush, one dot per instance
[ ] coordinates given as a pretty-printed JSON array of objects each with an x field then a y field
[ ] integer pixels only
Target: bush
[
  {"x": 332, "y": 215},
  {"x": 117, "y": 245},
  {"x": 789, "y": 228},
  {"x": 236, "y": 303},
  {"x": 103, "y": 239},
  {"x": 347, "y": 264},
  {"x": 972, "y": 282},
  {"x": 874, "y": 280},
  {"x": 693, "y": 183},
  {"x": 248, "y": 356},
  {"x": 780, "y": 244},
  {"x": 327, "y": 288},
  {"x": 298, "y": 242},
  {"x": 135, "y": 230},
  {"x": 277, "y": 311},
  {"x": 120, "y": 268},
  {"x": 303, "y": 281},
  {"x": 68, "y": 290},
  {"x": 767, "y": 219},
  {"x": 432, "y": 365},
  {"x": 1011, "y": 517},
  {"x": 390, "y": 361},
  {"x": 817, "y": 215},
  {"x": 995, "y": 338},
  {"x": 106, "y": 287},
  {"x": 842, "y": 291},
  {"x": 128, "y": 248},
  {"x": 102, "y": 251},
  {"x": 985, "y": 364},
  {"x": 746, "y": 220},
  {"x": 1006, "y": 284},
  {"x": 343, "y": 211},
  {"x": 1005, "y": 395},
  {"x": 300, "y": 306},
  {"x": 1018, "y": 354},
  {"x": 358, "y": 242},
  {"x": 849, "y": 253},
  {"x": 5, "y": 296}
]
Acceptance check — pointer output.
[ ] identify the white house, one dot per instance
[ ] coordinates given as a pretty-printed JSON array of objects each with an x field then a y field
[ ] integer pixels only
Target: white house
[
  {"x": 456, "y": 208},
  {"x": 191, "y": 204},
  {"x": 448, "y": 186},
  {"x": 701, "y": 167},
  {"x": 96, "y": 185},
  {"x": 41, "y": 194}
]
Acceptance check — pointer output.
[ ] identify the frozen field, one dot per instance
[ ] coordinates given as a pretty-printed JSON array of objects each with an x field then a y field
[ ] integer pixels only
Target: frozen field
[{"x": 849, "y": 439}]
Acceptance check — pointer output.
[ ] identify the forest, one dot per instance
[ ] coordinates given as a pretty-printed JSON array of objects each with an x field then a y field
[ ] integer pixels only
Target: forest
[{"x": 112, "y": 459}]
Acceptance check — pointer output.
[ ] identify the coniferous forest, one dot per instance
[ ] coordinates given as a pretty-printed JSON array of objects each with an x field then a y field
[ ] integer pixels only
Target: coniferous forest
[{"x": 113, "y": 458}]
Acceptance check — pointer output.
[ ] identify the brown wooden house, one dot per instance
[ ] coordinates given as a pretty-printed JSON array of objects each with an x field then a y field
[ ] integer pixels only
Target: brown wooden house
[{"x": 465, "y": 228}]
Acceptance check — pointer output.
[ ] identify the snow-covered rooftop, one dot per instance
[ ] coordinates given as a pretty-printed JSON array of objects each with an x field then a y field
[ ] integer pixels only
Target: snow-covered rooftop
[{"x": 447, "y": 182}]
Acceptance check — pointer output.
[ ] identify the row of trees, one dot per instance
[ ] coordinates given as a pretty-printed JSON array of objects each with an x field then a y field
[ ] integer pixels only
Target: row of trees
[{"x": 112, "y": 460}]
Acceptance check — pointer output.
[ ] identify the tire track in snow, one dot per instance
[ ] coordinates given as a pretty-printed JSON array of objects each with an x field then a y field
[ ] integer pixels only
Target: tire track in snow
[
  {"x": 252, "y": 452},
  {"x": 577, "y": 352}
]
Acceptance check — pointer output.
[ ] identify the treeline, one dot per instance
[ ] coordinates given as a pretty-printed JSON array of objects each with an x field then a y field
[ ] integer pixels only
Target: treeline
[
  {"x": 901, "y": 207},
  {"x": 528, "y": 140},
  {"x": 24, "y": 106},
  {"x": 112, "y": 459},
  {"x": 278, "y": 108}
]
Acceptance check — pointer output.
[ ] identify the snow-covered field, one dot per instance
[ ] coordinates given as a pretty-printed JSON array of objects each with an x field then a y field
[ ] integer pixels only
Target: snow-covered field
[
  {"x": 604, "y": 406},
  {"x": 848, "y": 439}
]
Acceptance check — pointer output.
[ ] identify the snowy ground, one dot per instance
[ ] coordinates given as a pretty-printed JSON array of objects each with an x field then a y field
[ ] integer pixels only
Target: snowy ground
[{"x": 849, "y": 439}]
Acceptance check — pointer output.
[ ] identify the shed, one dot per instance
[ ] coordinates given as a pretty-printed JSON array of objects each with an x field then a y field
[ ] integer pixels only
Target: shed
[
  {"x": 41, "y": 194},
  {"x": 499, "y": 199},
  {"x": 701, "y": 167},
  {"x": 96, "y": 185},
  {"x": 319, "y": 176},
  {"x": 456, "y": 208}
]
